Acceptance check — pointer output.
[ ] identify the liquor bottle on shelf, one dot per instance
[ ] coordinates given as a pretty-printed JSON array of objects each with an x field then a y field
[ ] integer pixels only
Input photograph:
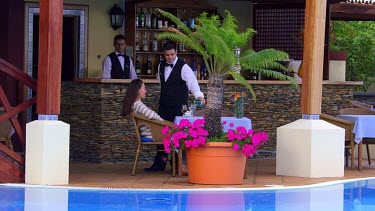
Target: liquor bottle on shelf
[
  {"x": 137, "y": 66},
  {"x": 154, "y": 22},
  {"x": 148, "y": 19},
  {"x": 160, "y": 58},
  {"x": 154, "y": 47},
  {"x": 149, "y": 65},
  {"x": 203, "y": 70},
  {"x": 191, "y": 21},
  {"x": 145, "y": 42},
  {"x": 165, "y": 22},
  {"x": 198, "y": 71},
  {"x": 159, "y": 19},
  {"x": 179, "y": 47},
  {"x": 141, "y": 19},
  {"x": 193, "y": 66},
  {"x": 163, "y": 41},
  {"x": 137, "y": 18},
  {"x": 136, "y": 41}
]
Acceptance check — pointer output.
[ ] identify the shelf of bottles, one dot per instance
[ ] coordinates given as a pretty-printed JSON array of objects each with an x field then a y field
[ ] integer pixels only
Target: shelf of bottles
[{"x": 148, "y": 50}]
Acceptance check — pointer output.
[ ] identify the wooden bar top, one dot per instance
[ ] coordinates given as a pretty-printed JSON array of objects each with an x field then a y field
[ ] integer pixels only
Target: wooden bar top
[{"x": 262, "y": 82}]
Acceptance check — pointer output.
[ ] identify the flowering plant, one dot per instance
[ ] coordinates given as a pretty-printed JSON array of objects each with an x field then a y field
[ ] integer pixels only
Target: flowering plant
[{"x": 187, "y": 134}]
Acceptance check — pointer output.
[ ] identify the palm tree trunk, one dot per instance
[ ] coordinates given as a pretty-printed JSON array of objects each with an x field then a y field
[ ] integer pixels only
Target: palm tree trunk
[{"x": 215, "y": 92}]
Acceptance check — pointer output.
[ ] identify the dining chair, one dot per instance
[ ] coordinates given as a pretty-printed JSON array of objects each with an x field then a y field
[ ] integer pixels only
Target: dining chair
[
  {"x": 6, "y": 130},
  {"x": 356, "y": 111},
  {"x": 349, "y": 136},
  {"x": 358, "y": 104},
  {"x": 361, "y": 111},
  {"x": 157, "y": 137}
]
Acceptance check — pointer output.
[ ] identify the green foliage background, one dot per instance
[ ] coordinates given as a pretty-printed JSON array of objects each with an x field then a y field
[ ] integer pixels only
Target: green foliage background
[{"x": 357, "y": 38}]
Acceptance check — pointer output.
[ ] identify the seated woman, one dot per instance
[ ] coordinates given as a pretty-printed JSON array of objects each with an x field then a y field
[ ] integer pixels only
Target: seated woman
[{"x": 133, "y": 102}]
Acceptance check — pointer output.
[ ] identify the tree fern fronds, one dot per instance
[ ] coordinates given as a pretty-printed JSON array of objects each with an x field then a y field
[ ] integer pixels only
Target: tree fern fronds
[
  {"x": 189, "y": 42},
  {"x": 177, "y": 21},
  {"x": 229, "y": 22},
  {"x": 238, "y": 77}
]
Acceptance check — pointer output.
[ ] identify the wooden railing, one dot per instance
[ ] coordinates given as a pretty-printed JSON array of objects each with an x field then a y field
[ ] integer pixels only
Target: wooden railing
[{"x": 11, "y": 112}]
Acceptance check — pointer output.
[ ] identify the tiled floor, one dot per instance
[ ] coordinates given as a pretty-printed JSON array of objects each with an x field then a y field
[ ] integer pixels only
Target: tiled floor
[{"x": 261, "y": 173}]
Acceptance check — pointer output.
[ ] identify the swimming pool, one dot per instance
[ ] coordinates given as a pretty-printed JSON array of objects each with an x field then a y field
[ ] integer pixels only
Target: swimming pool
[{"x": 340, "y": 195}]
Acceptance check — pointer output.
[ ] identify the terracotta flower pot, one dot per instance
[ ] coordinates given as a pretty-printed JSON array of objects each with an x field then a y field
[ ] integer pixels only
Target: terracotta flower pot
[{"x": 215, "y": 163}]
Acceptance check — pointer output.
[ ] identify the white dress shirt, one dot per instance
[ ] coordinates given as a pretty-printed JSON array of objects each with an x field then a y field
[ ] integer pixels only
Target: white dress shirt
[
  {"x": 107, "y": 67},
  {"x": 187, "y": 75}
]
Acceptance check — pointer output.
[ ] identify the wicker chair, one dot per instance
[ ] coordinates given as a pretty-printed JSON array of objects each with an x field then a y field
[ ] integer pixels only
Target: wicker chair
[
  {"x": 155, "y": 127},
  {"x": 349, "y": 136},
  {"x": 356, "y": 111},
  {"x": 358, "y": 104},
  {"x": 361, "y": 111}
]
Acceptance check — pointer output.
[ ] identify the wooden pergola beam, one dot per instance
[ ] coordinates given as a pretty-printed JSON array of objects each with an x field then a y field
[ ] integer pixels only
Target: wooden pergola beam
[
  {"x": 351, "y": 11},
  {"x": 50, "y": 56},
  {"x": 313, "y": 51}
]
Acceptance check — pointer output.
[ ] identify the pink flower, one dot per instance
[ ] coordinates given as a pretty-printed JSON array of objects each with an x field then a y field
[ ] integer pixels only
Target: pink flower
[
  {"x": 165, "y": 130},
  {"x": 236, "y": 147},
  {"x": 187, "y": 134}
]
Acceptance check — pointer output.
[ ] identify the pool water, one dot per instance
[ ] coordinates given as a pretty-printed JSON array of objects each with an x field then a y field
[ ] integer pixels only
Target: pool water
[{"x": 340, "y": 195}]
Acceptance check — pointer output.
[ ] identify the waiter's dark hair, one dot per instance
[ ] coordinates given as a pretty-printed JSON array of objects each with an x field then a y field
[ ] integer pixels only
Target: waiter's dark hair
[
  {"x": 119, "y": 37},
  {"x": 169, "y": 46}
]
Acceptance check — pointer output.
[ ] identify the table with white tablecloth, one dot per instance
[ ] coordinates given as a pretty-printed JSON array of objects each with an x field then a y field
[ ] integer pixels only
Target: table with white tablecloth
[
  {"x": 244, "y": 121},
  {"x": 364, "y": 127}
]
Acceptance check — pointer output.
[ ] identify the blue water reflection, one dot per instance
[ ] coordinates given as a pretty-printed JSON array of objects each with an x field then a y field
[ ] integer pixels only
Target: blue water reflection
[{"x": 356, "y": 195}]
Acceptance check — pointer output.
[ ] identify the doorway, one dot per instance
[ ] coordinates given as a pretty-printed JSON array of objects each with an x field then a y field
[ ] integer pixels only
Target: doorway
[
  {"x": 74, "y": 45},
  {"x": 69, "y": 65}
]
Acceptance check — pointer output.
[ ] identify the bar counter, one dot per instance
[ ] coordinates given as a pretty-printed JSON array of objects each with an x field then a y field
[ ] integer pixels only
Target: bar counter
[{"x": 100, "y": 134}]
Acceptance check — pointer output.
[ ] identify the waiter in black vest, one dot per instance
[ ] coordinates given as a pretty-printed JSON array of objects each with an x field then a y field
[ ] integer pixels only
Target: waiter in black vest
[
  {"x": 177, "y": 79},
  {"x": 117, "y": 65}
]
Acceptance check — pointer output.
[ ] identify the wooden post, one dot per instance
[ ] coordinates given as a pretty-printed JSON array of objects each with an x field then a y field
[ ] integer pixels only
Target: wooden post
[
  {"x": 50, "y": 52},
  {"x": 313, "y": 52}
]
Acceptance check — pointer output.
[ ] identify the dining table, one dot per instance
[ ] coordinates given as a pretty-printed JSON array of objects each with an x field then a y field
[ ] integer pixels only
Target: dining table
[{"x": 364, "y": 127}]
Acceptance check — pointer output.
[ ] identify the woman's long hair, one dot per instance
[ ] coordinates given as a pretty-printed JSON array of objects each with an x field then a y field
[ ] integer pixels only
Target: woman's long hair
[{"x": 130, "y": 96}]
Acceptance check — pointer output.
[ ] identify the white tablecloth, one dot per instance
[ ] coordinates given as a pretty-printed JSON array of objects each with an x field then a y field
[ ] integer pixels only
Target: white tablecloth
[
  {"x": 245, "y": 122},
  {"x": 364, "y": 126}
]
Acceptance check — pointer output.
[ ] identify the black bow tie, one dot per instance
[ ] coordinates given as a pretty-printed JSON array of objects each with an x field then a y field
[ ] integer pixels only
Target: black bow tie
[
  {"x": 170, "y": 65},
  {"x": 121, "y": 55}
]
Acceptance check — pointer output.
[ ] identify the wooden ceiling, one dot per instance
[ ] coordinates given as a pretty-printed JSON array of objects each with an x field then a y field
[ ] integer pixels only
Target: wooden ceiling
[
  {"x": 290, "y": 1},
  {"x": 340, "y": 9}
]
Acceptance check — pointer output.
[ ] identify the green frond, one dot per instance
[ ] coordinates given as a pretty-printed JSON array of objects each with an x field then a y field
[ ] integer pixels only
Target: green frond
[
  {"x": 238, "y": 77},
  {"x": 215, "y": 41},
  {"x": 178, "y": 22},
  {"x": 190, "y": 42}
]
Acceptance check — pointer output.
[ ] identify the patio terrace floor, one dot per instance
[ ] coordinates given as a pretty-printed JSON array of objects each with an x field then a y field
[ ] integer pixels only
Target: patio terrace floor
[{"x": 261, "y": 173}]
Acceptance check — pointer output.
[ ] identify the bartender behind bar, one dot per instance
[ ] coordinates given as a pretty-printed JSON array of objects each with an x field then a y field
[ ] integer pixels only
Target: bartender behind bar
[{"x": 117, "y": 65}]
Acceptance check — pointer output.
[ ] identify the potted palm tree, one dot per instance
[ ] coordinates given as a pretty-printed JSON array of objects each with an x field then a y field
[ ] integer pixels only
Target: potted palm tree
[{"x": 216, "y": 41}]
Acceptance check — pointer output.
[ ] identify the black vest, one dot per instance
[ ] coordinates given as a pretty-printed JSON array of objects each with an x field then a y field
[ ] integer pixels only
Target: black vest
[
  {"x": 117, "y": 72},
  {"x": 174, "y": 91}
]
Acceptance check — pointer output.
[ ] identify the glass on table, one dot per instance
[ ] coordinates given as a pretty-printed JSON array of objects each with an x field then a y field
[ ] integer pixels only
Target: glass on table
[
  {"x": 183, "y": 109},
  {"x": 192, "y": 108}
]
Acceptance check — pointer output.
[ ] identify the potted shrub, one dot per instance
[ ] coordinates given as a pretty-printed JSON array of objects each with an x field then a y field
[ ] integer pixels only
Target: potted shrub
[
  {"x": 216, "y": 41},
  {"x": 218, "y": 160}
]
